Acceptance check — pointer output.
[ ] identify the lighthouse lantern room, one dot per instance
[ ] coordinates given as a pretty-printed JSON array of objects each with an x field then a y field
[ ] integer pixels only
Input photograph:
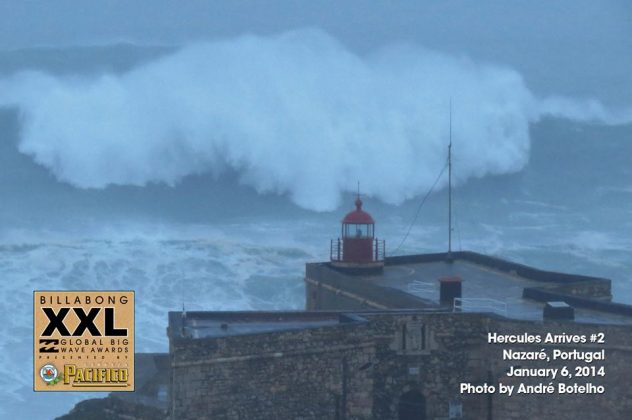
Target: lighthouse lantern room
[{"x": 358, "y": 250}]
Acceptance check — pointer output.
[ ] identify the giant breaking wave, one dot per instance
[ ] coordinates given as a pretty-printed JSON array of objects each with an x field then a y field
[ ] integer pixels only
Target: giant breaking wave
[{"x": 295, "y": 114}]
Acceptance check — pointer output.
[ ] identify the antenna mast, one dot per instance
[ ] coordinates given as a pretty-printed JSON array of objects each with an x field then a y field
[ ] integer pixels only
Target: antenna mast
[{"x": 450, "y": 188}]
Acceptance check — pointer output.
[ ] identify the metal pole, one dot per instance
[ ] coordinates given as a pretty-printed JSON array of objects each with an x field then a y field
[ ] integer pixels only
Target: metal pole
[{"x": 450, "y": 187}]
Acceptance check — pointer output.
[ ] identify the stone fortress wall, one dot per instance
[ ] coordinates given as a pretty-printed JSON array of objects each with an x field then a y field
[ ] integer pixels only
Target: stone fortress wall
[{"x": 361, "y": 369}]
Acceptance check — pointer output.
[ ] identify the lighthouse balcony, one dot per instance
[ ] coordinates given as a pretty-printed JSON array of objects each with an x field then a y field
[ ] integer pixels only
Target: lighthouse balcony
[
  {"x": 359, "y": 253},
  {"x": 367, "y": 255}
]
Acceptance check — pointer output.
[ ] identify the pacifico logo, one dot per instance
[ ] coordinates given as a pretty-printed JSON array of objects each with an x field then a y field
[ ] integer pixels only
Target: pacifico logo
[
  {"x": 83, "y": 341},
  {"x": 94, "y": 376}
]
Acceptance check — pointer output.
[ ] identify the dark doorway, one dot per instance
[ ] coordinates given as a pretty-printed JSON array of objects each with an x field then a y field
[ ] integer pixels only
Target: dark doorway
[{"x": 412, "y": 406}]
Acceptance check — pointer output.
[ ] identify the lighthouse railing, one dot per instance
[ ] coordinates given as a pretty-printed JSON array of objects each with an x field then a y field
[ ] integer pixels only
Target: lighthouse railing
[
  {"x": 379, "y": 250},
  {"x": 335, "y": 250}
]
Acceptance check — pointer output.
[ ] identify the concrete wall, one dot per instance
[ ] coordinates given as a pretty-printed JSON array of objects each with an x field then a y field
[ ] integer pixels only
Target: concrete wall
[
  {"x": 327, "y": 289},
  {"x": 320, "y": 296}
]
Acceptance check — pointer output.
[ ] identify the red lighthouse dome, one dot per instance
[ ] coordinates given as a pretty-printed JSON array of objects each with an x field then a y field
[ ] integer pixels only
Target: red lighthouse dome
[
  {"x": 358, "y": 215},
  {"x": 358, "y": 249}
]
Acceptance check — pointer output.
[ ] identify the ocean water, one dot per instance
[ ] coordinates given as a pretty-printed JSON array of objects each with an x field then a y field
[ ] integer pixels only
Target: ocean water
[{"x": 220, "y": 242}]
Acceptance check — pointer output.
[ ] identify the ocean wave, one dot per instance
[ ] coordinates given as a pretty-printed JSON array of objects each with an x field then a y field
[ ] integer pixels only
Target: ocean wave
[{"x": 295, "y": 113}]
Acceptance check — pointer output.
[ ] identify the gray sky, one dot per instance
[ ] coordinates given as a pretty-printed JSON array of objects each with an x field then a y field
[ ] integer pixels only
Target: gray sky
[{"x": 573, "y": 47}]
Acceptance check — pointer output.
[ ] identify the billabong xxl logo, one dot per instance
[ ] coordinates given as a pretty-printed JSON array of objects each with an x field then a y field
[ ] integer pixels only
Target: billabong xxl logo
[
  {"x": 83, "y": 340},
  {"x": 86, "y": 322}
]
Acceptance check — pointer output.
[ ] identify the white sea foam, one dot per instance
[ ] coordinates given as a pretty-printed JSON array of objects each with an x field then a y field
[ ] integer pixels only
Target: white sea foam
[{"x": 295, "y": 113}]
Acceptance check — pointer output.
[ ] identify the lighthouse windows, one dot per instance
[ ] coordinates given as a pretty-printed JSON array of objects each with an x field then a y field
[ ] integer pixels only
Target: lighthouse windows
[{"x": 357, "y": 230}]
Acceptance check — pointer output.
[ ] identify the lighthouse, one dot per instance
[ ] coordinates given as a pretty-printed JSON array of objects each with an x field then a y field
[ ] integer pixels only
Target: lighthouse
[{"x": 358, "y": 250}]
